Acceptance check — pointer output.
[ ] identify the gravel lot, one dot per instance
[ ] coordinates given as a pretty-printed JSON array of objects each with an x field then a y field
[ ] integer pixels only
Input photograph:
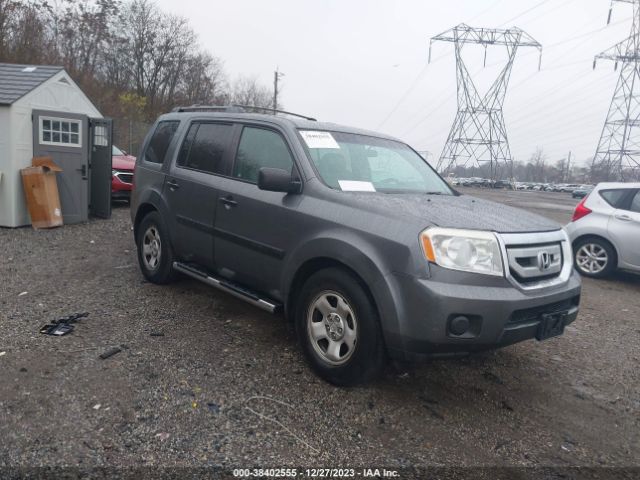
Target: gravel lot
[{"x": 205, "y": 380}]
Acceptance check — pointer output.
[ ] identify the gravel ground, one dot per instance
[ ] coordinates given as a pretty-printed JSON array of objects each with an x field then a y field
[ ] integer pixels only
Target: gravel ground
[{"x": 204, "y": 380}]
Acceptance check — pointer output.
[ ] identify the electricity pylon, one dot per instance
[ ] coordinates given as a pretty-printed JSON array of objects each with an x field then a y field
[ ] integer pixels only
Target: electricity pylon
[
  {"x": 619, "y": 147},
  {"x": 479, "y": 133}
]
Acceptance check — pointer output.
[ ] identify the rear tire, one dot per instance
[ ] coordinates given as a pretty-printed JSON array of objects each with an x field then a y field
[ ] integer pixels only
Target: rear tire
[
  {"x": 339, "y": 329},
  {"x": 594, "y": 257},
  {"x": 155, "y": 255}
]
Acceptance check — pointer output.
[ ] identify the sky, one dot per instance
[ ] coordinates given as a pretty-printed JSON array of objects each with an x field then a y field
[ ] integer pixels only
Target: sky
[{"x": 364, "y": 63}]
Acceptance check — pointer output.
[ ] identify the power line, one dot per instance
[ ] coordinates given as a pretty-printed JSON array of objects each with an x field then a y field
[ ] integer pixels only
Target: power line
[
  {"x": 414, "y": 84},
  {"x": 554, "y": 45},
  {"x": 538, "y": 5}
]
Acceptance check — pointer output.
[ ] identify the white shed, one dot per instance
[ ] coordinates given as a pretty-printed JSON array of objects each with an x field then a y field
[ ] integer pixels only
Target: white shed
[{"x": 44, "y": 112}]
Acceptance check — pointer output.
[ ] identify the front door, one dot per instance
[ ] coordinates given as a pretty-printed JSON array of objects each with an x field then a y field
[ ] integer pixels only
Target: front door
[
  {"x": 64, "y": 137},
  {"x": 255, "y": 229},
  {"x": 100, "y": 167}
]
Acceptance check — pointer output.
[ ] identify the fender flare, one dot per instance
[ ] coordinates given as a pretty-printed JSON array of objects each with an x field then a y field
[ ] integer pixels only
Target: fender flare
[{"x": 361, "y": 258}]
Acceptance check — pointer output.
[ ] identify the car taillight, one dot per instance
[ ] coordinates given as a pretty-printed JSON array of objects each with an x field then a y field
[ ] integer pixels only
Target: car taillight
[{"x": 581, "y": 211}]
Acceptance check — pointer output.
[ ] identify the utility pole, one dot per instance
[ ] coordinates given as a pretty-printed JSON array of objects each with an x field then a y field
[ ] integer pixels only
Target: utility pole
[
  {"x": 619, "y": 149},
  {"x": 276, "y": 78},
  {"x": 479, "y": 133},
  {"x": 568, "y": 177}
]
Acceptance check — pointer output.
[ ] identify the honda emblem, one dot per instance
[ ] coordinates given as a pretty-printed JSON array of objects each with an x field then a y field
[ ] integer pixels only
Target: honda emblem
[{"x": 544, "y": 261}]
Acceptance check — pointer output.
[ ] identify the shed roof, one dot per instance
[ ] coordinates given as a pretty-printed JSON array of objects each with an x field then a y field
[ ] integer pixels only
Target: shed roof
[{"x": 18, "y": 80}]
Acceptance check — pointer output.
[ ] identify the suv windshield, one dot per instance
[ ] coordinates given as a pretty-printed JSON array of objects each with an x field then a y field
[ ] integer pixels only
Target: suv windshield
[{"x": 351, "y": 162}]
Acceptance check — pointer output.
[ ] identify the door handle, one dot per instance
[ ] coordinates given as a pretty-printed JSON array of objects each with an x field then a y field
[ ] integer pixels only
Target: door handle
[
  {"x": 624, "y": 218},
  {"x": 83, "y": 171},
  {"x": 228, "y": 201},
  {"x": 173, "y": 185}
]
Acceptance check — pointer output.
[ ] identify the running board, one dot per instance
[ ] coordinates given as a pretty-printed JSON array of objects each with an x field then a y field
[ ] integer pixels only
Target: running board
[{"x": 228, "y": 287}]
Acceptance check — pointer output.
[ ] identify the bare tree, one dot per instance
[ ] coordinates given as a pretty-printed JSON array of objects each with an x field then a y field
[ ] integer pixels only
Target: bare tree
[
  {"x": 538, "y": 160},
  {"x": 120, "y": 51},
  {"x": 206, "y": 82},
  {"x": 247, "y": 91}
]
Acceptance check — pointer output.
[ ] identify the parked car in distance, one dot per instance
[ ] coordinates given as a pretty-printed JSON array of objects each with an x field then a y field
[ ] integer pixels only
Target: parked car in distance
[
  {"x": 122, "y": 167},
  {"x": 569, "y": 188},
  {"x": 500, "y": 184},
  {"x": 605, "y": 230},
  {"x": 351, "y": 234},
  {"x": 582, "y": 191}
]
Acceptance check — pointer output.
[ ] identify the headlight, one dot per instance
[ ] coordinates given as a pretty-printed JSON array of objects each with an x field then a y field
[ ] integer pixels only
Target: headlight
[{"x": 465, "y": 250}]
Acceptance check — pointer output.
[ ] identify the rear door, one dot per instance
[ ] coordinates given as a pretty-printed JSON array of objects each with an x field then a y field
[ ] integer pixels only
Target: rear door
[
  {"x": 624, "y": 228},
  {"x": 64, "y": 137},
  {"x": 255, "y": 229},
  {"x": 191, "y": 189},
  {"x": 100, "y": 167}
]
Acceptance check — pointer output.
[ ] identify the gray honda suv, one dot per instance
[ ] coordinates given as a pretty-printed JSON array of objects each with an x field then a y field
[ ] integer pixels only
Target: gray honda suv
[{"x": 350, "y": 234}]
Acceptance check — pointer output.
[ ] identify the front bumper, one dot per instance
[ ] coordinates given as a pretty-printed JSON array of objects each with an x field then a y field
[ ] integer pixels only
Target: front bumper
[
  {"x": 499, "y": 313},
  {"x": 120, "y": 190}
]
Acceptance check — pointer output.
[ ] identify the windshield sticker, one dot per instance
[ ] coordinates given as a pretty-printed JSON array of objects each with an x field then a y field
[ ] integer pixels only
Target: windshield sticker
[
  {"x": 316, "y": 139},
  {"x": 353, "y": 186}
]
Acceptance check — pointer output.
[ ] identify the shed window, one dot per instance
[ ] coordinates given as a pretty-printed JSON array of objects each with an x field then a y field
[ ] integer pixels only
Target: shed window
[{"x": 60, "y": 131}]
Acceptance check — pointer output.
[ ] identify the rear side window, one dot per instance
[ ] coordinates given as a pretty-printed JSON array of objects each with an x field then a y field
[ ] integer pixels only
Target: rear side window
[
  {"x": 260, "y": 148},
  {"x": 160, "y": 141},
  {"x": 614, "y": 197},
  {"x": 635, "y": 203},
  {"x": 204, "y": 147}
]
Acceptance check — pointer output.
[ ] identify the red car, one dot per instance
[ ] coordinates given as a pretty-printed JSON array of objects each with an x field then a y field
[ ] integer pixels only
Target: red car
[{"x": 122, "y": 166}]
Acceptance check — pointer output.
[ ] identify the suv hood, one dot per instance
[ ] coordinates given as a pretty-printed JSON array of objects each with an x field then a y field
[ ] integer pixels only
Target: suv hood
[
  {"x": 457, "y": 212},
  {"x": 123, "y": 162}
]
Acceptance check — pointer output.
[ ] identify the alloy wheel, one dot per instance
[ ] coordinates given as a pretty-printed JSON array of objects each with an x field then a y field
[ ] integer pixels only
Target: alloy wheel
[{"x": 592, "y": 258}]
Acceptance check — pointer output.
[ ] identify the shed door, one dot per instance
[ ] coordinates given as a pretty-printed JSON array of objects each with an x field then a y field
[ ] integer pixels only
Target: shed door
[
  {"x": 64, "y": 137},
  {"x": 100, "y": 135}
]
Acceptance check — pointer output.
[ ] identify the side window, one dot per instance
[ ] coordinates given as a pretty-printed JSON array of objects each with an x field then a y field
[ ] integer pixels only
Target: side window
[
  {"x": 614, "y": 197},
  {"x": 204, "y": 147},
  {"x": 635, "y": 203},
  {"x": 260, "y": 148},
  {"x": 160, "y": 141}
]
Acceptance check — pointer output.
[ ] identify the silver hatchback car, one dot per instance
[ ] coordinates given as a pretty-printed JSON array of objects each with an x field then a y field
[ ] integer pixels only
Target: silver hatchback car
[{"x": 605, "y": 230}]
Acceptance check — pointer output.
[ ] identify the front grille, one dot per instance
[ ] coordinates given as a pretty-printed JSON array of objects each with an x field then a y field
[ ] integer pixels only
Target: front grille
[
  {"x": 126, "y": 177},
  {"x": 534, "y": 314},
  {"x": 534, "y": 263}
]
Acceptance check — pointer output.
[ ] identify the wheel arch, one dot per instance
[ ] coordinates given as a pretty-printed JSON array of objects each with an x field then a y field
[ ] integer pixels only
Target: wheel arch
[
  {"x": 143, "y": 210},
  {"x": 151, "y": 201},
  {"x": 312, "y": 266},
  {"x": 356, "y": 257}
]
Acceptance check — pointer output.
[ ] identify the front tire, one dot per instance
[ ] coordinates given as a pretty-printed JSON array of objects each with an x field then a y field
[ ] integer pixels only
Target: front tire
[
  {"x": 155, "y": 255},
  {"x": 338, "y": 328},
  {"x": 594, "y": 257}
]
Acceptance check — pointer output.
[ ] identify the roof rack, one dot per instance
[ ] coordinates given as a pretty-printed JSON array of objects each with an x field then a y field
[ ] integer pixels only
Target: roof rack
[
  {"x": 209, "y": 108},
  {"x": 238, "y": 109}
]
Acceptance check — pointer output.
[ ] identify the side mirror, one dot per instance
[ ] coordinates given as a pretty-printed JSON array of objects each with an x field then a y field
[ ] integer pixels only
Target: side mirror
[{"x": 277, "y": 180}]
